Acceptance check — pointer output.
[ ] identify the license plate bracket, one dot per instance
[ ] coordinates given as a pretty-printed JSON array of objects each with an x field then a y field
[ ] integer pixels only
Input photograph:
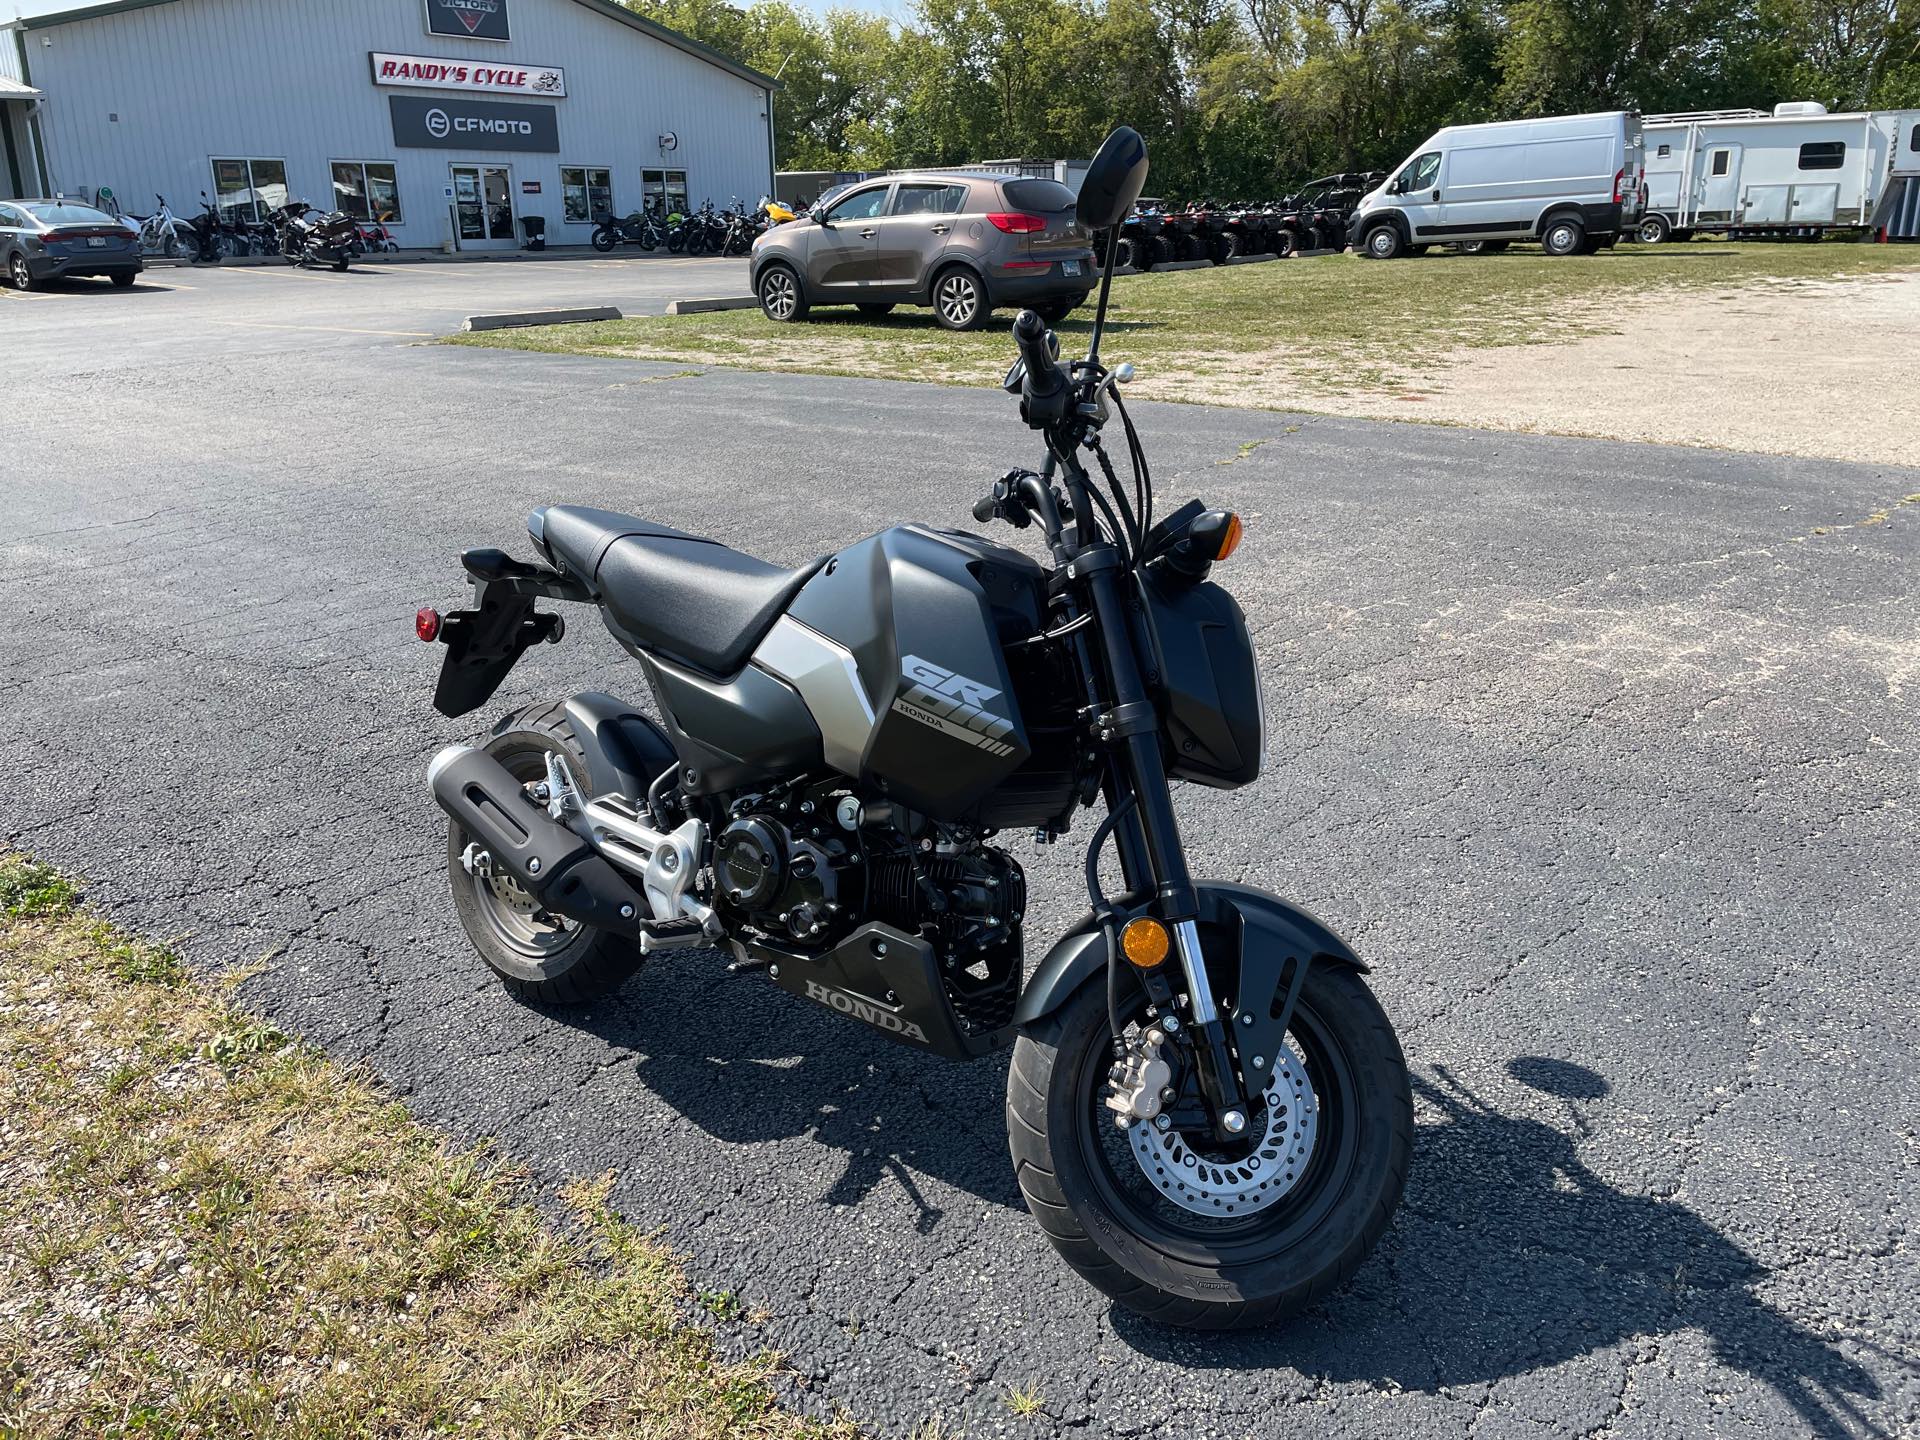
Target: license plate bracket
[
  {"x": 484, "y": 644},
  {"x": 1069, "y": 267}
]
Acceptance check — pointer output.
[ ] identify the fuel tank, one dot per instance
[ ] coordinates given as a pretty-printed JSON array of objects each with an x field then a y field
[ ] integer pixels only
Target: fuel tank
[{"x": 898, "y": 648}]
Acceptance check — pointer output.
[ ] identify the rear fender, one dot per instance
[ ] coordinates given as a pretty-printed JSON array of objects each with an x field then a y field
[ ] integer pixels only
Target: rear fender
[
  {"x": 626, "y": 751},
  {"x": 1272, "y": 942}
]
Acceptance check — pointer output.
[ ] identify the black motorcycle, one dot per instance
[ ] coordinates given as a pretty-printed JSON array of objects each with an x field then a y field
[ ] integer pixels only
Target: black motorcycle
[
  {"x": 1209, "y": 1113},
  {"x": 640, "y": 228},
  {"x": 304, "y": 236}
]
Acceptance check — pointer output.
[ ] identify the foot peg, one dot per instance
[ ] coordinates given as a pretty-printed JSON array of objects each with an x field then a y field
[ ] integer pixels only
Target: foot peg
[{"x": 671, "y": 935}]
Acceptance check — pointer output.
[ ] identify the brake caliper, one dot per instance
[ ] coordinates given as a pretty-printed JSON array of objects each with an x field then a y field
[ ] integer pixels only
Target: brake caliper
[{"x": 1141, "y": 1080}]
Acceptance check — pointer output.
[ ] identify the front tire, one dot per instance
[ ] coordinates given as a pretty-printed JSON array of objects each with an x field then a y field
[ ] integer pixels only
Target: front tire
[
  {"x": 1654, "y": 230},
  {"x": 539, "y": 958},
  {"x": 1085, "y": 1184},
  {"x": 1383, "y": 242},
  {"x": 604, "y": 241},
  {"x": 781, "y": 298}
]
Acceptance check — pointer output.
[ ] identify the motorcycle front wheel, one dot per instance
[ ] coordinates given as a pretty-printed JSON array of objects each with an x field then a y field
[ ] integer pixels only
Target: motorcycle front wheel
[
  {"x": 604, "y": 240},
  {"x": 1174, "y": 1230}
]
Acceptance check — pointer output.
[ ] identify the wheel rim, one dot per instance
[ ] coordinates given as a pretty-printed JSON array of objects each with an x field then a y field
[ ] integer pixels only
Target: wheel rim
[
  {"x": 1288, "y": 1211},
  {"x": 1561, "y": 237},
  {"x": 21, "y": 276},
  {"x": 1652, "y": 232},
  {"x": 958, "y": 300},
  {"x": 1383, "y": 242},
  {"x": 779, "y": 295}
]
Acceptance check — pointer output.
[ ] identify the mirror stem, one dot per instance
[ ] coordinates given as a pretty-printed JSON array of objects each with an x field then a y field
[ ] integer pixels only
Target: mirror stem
[{"x": 1106, "y": 284}]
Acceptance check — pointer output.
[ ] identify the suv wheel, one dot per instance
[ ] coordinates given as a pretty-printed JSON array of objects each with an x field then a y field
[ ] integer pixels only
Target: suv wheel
[
  {"x": 960, "y": 300},
  {"x": 781, "y": 298},
  {"x": 1383, "y": 242},
  {"x": 1564, "y": 235}
]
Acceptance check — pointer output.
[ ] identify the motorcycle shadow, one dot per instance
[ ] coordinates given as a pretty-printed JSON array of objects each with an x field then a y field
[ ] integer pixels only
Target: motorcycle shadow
[
  {"x": 1509, "y": 1256},
  {"x": 761, "y": 1066}
]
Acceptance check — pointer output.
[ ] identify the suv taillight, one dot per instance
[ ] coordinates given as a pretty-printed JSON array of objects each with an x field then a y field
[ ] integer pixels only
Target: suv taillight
[{"x": 1015, "y": 223}]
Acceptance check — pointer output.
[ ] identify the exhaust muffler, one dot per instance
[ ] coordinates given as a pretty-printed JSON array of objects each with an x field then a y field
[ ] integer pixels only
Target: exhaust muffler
[{"x": 559, "y": 867}]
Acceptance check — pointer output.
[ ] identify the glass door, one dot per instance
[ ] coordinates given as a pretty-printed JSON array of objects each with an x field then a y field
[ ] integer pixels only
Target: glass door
[{"x": 483, "y": 206}]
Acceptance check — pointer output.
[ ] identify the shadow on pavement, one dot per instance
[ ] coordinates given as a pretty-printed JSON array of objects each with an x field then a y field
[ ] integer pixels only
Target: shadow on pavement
[{"x": 1532, "y": 1260}]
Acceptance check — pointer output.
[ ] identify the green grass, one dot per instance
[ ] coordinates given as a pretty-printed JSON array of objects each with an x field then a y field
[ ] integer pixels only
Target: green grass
[
  {"x": 209, "y": 1229},
  {"x": 1249, "y": 334}
]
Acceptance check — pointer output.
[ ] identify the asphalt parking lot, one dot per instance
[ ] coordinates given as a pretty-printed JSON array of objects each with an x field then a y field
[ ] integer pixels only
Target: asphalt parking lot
[
  {"x": 244, "y": 311},
  {"x": 1603, "y": 753}
]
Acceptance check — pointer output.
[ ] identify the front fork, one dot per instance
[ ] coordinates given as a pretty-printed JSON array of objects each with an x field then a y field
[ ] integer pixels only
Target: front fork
[{"x": 1151, "y": 834}]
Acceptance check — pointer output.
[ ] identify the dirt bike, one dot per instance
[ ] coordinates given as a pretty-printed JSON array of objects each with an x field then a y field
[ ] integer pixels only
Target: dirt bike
[{"x": 1208, "y": 1112}]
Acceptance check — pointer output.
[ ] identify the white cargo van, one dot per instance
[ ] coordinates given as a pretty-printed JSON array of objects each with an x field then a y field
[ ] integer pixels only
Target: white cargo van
[{"x": 1572, "y": 182}]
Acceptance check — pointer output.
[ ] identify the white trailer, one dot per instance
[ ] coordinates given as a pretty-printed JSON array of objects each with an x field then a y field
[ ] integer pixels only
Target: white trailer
[{"x": 1797, "y": 172}]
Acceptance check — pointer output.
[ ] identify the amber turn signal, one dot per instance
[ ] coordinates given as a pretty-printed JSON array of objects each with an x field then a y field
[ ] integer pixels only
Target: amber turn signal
[
  {"x": 1230, "y": 538},
  {"x": 1144, "y": 942}
]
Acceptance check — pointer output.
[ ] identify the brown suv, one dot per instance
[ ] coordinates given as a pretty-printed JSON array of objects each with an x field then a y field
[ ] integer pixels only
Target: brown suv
[{"x": 962, "y": 243}]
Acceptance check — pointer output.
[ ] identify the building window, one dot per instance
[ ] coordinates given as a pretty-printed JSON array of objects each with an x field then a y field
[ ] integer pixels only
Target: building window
[
  {"x": 1720, "y": 159},
  {"x": 585, "y": 194},
  {"x": 245, "y": 190},
  {"x": 1664, "y": 152},
  {"x": 1823, "y": 154},
  {"x": 366, "y": 190},
  {"x": 664, "y": 190}
]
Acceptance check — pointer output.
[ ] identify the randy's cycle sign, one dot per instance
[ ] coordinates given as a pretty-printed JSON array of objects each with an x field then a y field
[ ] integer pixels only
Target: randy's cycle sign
[
  {"x": 468, "y": 19},
  {"x": 448, "y": 124}
]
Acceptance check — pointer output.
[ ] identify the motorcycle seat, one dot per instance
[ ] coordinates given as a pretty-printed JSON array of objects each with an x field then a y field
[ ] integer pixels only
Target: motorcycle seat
[{"x": 690, "y": 598}]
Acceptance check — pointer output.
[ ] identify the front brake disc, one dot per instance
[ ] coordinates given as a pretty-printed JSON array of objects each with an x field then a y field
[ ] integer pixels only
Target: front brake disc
[{"x": 1208, "y": 1184}]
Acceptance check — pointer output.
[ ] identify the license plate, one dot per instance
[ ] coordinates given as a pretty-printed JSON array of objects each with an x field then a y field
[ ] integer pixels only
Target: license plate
[
  {"x": 1069, "y": 267},
  {"x": 97, "y": 242}
]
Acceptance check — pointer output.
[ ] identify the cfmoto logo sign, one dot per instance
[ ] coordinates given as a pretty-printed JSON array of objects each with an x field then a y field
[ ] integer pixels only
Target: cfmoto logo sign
[{"x": 438, "y": 125}]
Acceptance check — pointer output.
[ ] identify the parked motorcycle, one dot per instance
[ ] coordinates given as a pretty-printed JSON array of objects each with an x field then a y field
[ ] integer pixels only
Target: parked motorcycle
[
  {"x": 1208, "y": 1112},
  {"x": 305, "y": 237},
  {"x": 640, "y": 228}
]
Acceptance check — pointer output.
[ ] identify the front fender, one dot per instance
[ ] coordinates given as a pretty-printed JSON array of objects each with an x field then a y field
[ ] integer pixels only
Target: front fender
[{"x": 1269, "y": 937}]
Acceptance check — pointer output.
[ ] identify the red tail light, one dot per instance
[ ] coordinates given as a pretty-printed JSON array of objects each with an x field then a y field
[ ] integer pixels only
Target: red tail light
[
  {"x": 1015, "y": 223},
  {"x": 426, "y": 623},
  {"x": 1619, "y": 186}
]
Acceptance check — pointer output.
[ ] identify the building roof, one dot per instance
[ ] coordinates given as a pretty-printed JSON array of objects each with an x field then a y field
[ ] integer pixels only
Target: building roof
[
  {"x": 11, "y": 89},
  {"x": 95, "y": 9}
]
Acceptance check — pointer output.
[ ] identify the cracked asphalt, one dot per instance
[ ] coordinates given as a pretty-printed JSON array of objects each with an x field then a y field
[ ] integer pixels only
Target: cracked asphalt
[{"x": 1604, "y": 754}]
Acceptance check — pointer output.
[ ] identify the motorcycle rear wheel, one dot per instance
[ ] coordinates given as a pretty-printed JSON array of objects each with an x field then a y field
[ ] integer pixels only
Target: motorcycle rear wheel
[
  {"x": 604, "y": 240},
  {"x": 1088, "y": 1186},
  {"x": 544, "y": 961}
]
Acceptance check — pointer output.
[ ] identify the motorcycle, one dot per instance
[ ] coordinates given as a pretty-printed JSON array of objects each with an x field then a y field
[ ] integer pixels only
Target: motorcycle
[
  {"x": 321, "y": 240},
  {"x": 639, "y": 228},
  {"x": 1208, "y": 1112}
]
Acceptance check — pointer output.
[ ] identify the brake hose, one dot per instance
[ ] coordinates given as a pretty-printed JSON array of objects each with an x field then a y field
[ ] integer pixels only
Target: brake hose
[{"x": 1104, "y": 913}]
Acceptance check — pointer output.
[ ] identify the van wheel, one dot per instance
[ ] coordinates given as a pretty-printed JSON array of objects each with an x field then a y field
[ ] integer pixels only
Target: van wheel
[
  {"x": 1564, "y": 235},
  {"x": 1654, "y": 230},
  {"x": 1383, "y": 243},
  {"x": 781, "y": 298}
]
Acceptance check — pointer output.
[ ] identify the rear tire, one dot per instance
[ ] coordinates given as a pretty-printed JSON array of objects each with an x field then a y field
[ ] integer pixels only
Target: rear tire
[
  {"x": 1054, "y": 311},
  {"x": 1126, "y": 254},
  {"x": 20, "y": 274},
  {"x": 123, "y": 279},
  {"x": 1226, "y": 247},
  {"x": 960, "y": 300},
  {"x": 1284, "y": 244},
  {"x": 563, "y": 964},
  {"x": 604, "y": 241},
  {"x": 1563, "y": 235},
  {"x": 1654, "y": 230},
  {"x": 1218, "y": 1273}
]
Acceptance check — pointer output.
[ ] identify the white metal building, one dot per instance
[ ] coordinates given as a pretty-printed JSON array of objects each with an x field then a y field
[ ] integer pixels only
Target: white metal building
[{"x": 444, "y": 118}]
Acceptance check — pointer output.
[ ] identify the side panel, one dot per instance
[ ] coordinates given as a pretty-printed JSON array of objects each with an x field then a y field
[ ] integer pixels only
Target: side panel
[
  {"x": 732, "y": 732},
  {"x": 920, "y": 611}
]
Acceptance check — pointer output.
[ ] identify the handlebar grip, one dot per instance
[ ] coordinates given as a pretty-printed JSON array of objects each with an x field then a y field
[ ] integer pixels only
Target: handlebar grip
[
  {"x": 986, "y": 507},
  {"x": 1045, "y": 378}
]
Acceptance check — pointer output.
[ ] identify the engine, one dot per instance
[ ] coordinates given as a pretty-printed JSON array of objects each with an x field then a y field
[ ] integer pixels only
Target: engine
[{"x": 806, "y": 867}]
